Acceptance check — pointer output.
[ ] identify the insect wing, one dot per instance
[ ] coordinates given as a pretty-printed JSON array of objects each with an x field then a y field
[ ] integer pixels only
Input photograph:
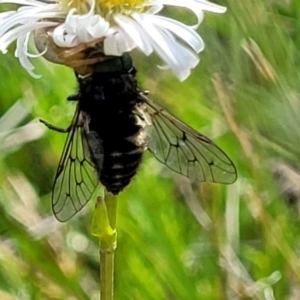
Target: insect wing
[
  {"x": 186, "y": 151},
  {"x": 75, "y": 179}
]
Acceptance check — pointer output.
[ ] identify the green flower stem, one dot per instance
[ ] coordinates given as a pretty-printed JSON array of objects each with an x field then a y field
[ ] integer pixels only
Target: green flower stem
[
  {"x": 107, "y": 275},
  {"x": 104, "y": 227},
  {"x": 111, "y": 204}
]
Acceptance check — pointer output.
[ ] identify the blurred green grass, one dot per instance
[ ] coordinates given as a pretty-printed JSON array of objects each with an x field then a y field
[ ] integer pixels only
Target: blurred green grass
[{"x": 175, "y": 241}]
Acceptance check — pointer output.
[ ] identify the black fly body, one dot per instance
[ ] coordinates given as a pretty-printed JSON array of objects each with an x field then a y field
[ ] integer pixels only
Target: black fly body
[{"x": 113, "y": 125}]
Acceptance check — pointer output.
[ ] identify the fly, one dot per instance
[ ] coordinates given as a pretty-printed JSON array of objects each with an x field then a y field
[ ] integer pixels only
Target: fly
[{"x": 114, "y": 124}]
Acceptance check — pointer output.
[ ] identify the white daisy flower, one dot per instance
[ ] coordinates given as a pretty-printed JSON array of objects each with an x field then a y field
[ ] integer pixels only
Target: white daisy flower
[{"x": 123, "y": 25}]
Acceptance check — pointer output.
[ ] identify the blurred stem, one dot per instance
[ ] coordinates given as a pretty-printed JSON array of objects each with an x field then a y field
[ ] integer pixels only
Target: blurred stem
[{"x": 104, "y": 227}]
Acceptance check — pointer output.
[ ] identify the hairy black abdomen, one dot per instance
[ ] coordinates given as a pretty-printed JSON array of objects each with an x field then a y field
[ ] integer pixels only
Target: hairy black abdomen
[{"x": 110, "y": 101}]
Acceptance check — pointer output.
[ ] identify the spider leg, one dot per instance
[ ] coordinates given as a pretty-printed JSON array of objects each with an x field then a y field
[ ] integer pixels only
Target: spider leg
[{"x": 70, "y": 52}]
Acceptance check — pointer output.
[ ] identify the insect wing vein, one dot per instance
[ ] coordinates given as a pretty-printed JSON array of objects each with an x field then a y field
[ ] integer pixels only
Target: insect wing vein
[
  {"x": 186, "y": 151},
  {"x": 76, "y": 179}
]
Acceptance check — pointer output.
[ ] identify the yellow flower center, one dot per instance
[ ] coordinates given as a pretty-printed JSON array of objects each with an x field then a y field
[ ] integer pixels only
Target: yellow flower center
[
  {"x": 104, "y": 7},
  {"x": 114, "y": 3}
]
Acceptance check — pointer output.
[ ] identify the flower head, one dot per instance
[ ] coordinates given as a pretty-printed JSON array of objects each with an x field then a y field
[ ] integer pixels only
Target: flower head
[{"x": 123, "y": 25}]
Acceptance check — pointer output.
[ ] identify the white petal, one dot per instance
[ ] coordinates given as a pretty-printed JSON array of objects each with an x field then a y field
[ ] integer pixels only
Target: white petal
[
  {"x": 80, "y": 28},
  {"x": 21, "y": 34},
  {"x": 15, "y": 33},
  {"x": 117, "y": 43},
  {"x": 6, "y": 15},
  {"x": 134, "y": 32},
  {"x": 71, "y": 21},
  {"x": 201, "y": 4},
  {"x": 209, "y": 6},
  {"x": 186, "y": 59},
  {"x": 175, "y": 42},
  {"x": 154, "y": 9},
  {"x": 77, "y": 24},
  {"x": 98, "y": 27},
  {"x": 63, "y": 39},
  {"x": 184, "y": 32},
  {"x": 160, "y": 44},
  {"x": 197, "y": 7},
  {"x": 177, "y": 56},
  {"x": 124, "y": 44},
  {"x": 110, "y": 46},
  {"x": 27, "y": 2},
  {"x": 26, "y": 15},
  {"x": 21, "y": 51}
]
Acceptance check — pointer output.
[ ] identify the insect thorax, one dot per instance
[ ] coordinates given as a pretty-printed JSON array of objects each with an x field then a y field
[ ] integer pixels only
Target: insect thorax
[{"x": 115, "y": 132}]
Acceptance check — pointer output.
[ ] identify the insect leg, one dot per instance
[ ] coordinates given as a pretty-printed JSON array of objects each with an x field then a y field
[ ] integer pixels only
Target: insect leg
[
  {"x": 73, "y": 97},
  {"x": 67, "y": 53},
  {"x": 55, "y": 128}
]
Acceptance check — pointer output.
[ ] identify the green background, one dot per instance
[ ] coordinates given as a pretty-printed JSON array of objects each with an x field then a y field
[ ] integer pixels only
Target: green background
[{"x": 175, "y": 240}]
